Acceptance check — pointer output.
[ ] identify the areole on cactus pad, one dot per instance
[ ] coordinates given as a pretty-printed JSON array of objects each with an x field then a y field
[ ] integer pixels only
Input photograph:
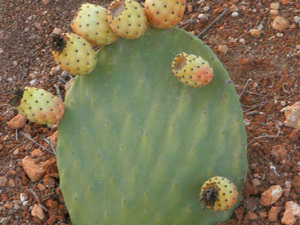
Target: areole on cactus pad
[{"x": 135, "y": 145}]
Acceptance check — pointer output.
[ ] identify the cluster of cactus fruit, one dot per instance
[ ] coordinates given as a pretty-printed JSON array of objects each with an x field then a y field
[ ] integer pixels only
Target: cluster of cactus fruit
[{"x": 141, "y": 143}]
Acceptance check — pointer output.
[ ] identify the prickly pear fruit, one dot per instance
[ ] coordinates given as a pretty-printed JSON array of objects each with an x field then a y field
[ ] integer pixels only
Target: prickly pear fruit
[
  {"x": 164, "y": 14},
  {"x": 73, "y": 54},
  {"x": 91, "y": 24},
  {"x": 192, "y": 70},
  {"x": 127, "y": 18},
  {"x": 218, "y": 194},
  {"x": 41, "y": 106}
]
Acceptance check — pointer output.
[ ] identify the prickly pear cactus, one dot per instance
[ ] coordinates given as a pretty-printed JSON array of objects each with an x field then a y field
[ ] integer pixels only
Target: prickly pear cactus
[{"x": 135, "y": 145}]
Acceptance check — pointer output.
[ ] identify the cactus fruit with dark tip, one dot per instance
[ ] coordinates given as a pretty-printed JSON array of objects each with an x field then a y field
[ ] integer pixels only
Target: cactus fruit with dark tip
[
  {"x": 140, "y": 144},
  {"x": 127, "y": 18},
  {"x": 218, "y": 194},
  {"x": 91, "y": 24},
  {"x": 40, "y": 106},
  {"x": 73, "y": 54}
]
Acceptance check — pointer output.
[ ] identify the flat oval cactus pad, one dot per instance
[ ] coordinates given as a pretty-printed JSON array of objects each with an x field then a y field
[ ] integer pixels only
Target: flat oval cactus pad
[{"x": 135, "y": 145}]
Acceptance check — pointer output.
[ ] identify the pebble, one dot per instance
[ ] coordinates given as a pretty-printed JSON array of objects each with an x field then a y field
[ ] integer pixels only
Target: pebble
[
  {"x": 280, "y": 23},
  {"x": 17, "y": 122},
  {"x": 256, "y": 182},
  {"x": 275, "y": 5},
  {"x": 234, "y": 14},
  {"x": 234, "y": 8},
  {"x": 296, "y": 184},
  {"x": 260, "y": 26},
  {"x": 11, "y": 183},
  {"x": 292, "y": 209},
  {"x": 202, "y": 16},
  {"x": 3, "y": 181},
  {"x": 37, "y": 211},
  {"x": 41, "y": 187},
  {"x": 283, "y": 103},
  {"x": 206, "y": 8},
  {"x": 296, "y": 19},
  {"x": 223, "y": 49},
  {"x": 271, "y": 195},
  {"x": 8, "y": 205},
  {"x": 288, "y": 184},
  {"x": 251, "y": 204},
  {"x": 37, "y": 153},
  {"x": 34, "y": 171},
  {"x": 273, "y": 213},
  {"x": 57, "y": 30},
  {"x": 23, "y": 197},
  {"x": 279, "y": 151},
  {"x": 292, "y": 115},
  {"x": 284, "y": 2},
  {"x": 55, "y": 70},
  {"x": 279, "y": 34},
  {"x": 274, "y": 12},
  {"x": 255, "y": 33},
  {"x": 46, "y": 2},
  {"x": 25, "y": 203},
  {"x": 252, "y": 215},
  {"x": 242, "y": 40}
]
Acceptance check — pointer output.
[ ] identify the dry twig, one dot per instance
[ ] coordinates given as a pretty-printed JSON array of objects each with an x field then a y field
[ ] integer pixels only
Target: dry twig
[
  {"x": 210, "y": 25},
  {"x": 47, "y": 150}
]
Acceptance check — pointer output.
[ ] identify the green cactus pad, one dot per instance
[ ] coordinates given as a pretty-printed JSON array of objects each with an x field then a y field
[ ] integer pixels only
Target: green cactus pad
[{"x": 135, "y": 145}]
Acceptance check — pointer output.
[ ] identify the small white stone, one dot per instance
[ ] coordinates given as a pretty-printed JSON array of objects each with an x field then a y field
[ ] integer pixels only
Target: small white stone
[
  {"x": 242, "y": 40},
  {"x": 206, "y": 8},
  {"x": 234, "y": 14},
  {"x": 260, "y": 26},
  {"x": 279, "y": 34},
  {"x": 223, "y": 49},
  {"x": 247, "y": 122},
  {"x": 32, "y": 82},
  {"x": 25, "y": 203},
  {"x": 283, "y": 103},
  {"x": 201, "y": 16},
  {"x": 296, "y": 19},
  {"x": 23, "y": 197}
]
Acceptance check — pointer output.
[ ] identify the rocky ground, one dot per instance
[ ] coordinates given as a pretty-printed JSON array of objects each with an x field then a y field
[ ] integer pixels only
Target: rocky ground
[{"x": 259, "y": 44}]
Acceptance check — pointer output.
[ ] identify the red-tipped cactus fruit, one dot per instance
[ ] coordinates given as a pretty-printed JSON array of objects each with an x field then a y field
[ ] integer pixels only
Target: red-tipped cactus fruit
[{"x": 40, "y": 106}]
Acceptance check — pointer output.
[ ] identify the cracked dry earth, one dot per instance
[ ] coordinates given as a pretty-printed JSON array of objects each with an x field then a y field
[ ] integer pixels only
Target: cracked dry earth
[{"x": 258, "y": 42}]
